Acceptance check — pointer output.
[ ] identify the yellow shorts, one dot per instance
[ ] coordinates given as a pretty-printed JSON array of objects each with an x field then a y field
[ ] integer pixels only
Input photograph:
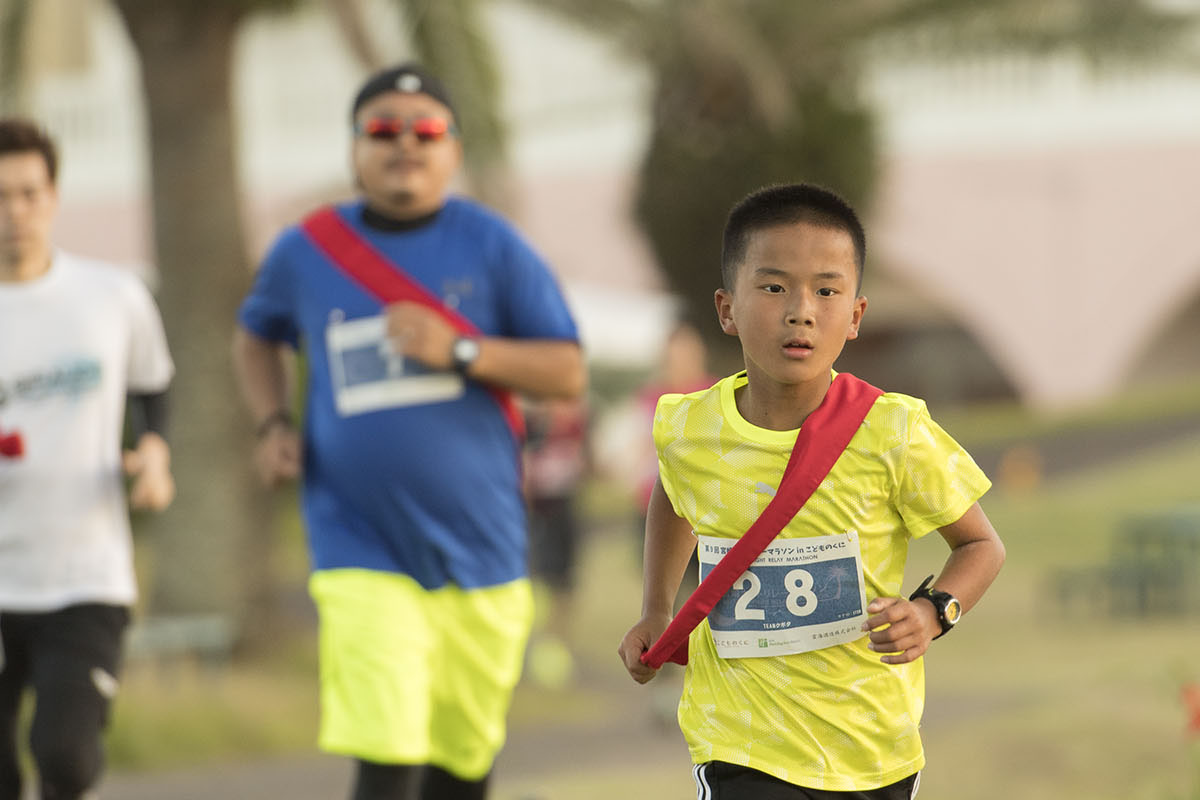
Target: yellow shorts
[{"x": 412, "y": 676}]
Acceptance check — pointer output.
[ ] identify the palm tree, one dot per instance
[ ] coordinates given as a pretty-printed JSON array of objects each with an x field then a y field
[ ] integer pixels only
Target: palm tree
[{"x": 749, "y": 92}]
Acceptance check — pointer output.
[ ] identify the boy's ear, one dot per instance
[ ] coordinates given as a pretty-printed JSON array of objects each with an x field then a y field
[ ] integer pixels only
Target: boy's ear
[
  {"x": 860, "y": 308},
  {"x": 724, "y": 303}
]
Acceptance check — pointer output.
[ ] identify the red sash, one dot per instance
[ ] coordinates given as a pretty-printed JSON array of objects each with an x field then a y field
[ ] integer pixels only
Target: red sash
[
  {"x": 388, "y": 283},
  {"x": 822, "y": 439}
]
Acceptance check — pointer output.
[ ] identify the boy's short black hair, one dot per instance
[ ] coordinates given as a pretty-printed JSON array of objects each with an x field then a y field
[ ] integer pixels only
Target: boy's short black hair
[
  {"x": 24, "y": 136},
  {"x": 786, "y": 204}
]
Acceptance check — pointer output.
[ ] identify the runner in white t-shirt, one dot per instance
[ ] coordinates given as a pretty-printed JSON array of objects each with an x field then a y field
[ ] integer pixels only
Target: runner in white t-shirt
[{"x": 77, "y": 339}]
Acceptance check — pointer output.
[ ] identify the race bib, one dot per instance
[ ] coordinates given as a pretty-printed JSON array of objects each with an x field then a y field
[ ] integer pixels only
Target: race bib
[
  {"x": 367, "y": 374},
  {"x": 799, "y": 595}
]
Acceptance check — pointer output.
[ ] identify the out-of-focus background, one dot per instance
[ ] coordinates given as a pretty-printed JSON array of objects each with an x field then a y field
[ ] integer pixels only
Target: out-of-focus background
[{"x": 1029, "y": 172}]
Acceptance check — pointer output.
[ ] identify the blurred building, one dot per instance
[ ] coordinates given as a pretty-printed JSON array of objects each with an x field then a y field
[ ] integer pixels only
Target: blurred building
[
  {"x": 1033, "y": 237},
  {"x": 1048, "y": 212}
]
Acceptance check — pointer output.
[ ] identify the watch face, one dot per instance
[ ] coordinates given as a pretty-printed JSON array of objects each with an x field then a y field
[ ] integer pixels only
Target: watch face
[
  {"x": 953, "y": 611},
  {"x": 466, "y": 350}
]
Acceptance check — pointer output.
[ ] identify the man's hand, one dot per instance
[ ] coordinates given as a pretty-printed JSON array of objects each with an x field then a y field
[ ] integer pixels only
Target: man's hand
[
  {"x": 421, "y": 333},
  {"x": 149, "y": 465},
  {"x": 278, "y": 455},
  {"x": 638, "y": 641},
  {"x": 901, "y": 628}
]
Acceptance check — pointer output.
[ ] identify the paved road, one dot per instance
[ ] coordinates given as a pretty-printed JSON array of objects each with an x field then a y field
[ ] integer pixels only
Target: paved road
[
  {"x": 616, "y": 735},
  {"x": 1082, "y": 448},
  {"x": 532, "y": 760}
]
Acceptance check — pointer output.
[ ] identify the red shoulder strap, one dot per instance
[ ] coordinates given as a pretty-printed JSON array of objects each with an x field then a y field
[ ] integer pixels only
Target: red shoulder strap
[
  {"x": 388, "y": 282},
  {"x": 821, "y": 440}
]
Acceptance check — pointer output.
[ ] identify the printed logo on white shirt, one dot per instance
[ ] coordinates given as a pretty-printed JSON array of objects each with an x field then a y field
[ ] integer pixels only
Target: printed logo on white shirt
[{"x": 70, "y": 379}]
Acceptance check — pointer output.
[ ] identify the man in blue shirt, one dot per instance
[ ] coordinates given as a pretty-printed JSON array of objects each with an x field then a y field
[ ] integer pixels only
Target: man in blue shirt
[{"x": 409, "y": 450}]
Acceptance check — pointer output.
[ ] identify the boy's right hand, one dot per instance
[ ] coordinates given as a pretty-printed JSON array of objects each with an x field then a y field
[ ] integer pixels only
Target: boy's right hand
[{"x": 638, "y": 641}]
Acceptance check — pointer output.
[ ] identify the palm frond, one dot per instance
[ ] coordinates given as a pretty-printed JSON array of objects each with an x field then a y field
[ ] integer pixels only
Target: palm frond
[
  {"x": 348, "y": 15},
  {"x": 449, "y": 37},
  {"x": 720, "y": 37},
  {"x": 1105, "y": 31},
  {"x": 632, "y": 25}
]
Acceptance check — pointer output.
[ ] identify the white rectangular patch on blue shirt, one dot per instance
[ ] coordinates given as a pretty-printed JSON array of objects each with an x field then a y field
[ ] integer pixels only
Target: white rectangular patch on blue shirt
[{"x": 367, "y": 374}]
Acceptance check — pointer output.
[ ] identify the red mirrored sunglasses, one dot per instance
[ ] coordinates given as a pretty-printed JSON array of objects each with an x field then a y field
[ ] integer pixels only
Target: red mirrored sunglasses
[{"x": 426, "y": 129}]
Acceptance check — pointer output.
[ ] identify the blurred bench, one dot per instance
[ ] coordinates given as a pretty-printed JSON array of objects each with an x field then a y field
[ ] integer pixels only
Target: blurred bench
[
  {"x": 1153, "y": 569},
  {"x": 205, "y": 638},
  {"x": 1155, "y": 564}
]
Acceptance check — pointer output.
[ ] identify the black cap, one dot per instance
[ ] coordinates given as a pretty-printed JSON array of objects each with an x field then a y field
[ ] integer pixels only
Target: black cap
[{"x": 410, "y": 78}]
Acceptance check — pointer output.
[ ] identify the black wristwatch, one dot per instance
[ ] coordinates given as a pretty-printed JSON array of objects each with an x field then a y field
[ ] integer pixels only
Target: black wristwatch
[
  {"x": 949, "y": 610},
  {"x": 463, "y": 353}
]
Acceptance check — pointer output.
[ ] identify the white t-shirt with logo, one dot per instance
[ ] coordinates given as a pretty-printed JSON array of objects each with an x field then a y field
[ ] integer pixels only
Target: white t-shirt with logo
[{"x": 72, "y": 344}]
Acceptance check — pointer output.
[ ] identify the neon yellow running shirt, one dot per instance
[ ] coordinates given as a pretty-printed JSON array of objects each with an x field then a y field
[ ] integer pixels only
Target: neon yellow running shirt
[{"x": 835, "y": 718}]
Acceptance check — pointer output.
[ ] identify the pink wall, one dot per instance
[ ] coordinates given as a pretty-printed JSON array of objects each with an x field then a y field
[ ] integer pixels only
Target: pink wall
[{"x": 1063, "y": 263}]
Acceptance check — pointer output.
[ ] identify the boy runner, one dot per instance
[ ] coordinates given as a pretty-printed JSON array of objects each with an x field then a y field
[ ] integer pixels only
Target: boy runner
[{"x": 786, "y": 695}]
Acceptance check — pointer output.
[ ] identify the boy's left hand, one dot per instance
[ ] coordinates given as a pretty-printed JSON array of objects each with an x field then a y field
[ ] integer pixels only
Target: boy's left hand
[{"x": 901, "y": 628}]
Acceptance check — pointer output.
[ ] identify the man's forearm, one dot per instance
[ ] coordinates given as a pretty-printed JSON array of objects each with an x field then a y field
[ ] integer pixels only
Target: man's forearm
[
  {"x": 536, "y": 367},
  {"x": 262, "y": 373}
]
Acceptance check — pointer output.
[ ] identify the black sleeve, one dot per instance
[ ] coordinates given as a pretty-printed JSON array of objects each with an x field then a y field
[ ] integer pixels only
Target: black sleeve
[{"x": 148, "y": 413}]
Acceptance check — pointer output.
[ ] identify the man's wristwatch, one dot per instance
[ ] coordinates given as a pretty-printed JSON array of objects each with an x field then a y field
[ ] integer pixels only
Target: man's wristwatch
[
  {"x": 949, "y": 610},
  {"x": 463, "y": 353}
]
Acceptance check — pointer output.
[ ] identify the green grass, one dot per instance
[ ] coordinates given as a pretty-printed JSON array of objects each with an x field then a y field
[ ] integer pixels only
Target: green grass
[
  {"x": 1026, "y": 701},
  {"x": 183, "y": 713}
]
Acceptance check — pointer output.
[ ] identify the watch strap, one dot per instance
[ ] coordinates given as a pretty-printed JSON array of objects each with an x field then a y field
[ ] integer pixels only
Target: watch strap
[
  {"x": 939, "y": 599},
  {"x": 463, "y": 353}
]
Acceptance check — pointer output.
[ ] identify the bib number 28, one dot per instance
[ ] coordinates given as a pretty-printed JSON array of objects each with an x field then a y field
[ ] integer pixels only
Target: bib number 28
[{"x": 801, "y": 600}]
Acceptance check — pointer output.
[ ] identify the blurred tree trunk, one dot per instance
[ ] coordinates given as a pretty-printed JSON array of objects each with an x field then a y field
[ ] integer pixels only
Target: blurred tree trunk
[{"x": 213, "y": 545}]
